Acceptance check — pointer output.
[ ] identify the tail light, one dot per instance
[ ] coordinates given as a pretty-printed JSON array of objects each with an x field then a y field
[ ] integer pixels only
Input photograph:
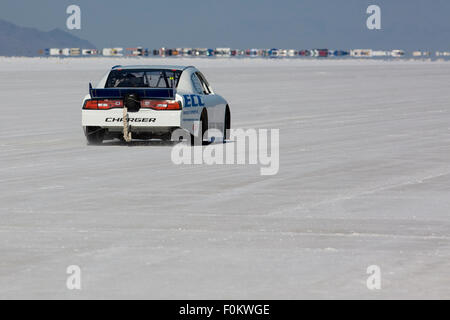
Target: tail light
[
  {"x": 103, "y": 104},
  {"x": 145, "y": 104},
  {"x": 161, "y": 104}
]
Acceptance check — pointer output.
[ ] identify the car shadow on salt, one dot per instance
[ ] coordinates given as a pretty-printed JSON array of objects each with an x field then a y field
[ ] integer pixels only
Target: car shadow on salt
[
  {"x": 140, "y": 143},
  {"x": 147, "y": 143}
]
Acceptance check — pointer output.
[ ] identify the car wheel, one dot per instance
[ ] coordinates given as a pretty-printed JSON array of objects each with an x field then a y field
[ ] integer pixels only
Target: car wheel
[
  {"x": 227, "y": 125},
  {"x": 95, "y": 135},
  {"x": 196, "y": 141}
]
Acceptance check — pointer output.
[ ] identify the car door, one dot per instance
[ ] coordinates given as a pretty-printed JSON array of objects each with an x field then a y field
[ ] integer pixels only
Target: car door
[{"x": 214, "y": 103}]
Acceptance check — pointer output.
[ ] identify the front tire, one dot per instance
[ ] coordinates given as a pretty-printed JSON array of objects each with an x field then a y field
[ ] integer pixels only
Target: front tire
[{"x": 227, "y": 125}]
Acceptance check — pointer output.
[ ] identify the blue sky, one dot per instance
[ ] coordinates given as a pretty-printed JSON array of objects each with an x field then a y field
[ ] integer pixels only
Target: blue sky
[{"x": 406, "y": 24}]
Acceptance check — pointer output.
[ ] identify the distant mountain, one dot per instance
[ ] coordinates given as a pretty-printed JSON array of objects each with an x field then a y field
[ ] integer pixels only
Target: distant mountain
[{"x": 21, "y": 41}]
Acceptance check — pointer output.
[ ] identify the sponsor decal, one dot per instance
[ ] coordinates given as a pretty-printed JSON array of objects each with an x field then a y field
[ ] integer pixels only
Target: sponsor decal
[
  {"x": 195, "y": 111},
  {"x": 193, "y": 100}
]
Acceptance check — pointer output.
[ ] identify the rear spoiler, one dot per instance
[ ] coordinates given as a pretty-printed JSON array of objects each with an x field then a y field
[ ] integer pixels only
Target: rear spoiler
[{"x": 143, "y": 93}]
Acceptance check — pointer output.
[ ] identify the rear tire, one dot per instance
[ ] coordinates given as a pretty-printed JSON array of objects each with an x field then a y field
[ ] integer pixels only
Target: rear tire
[
  {"x": 95, "y": 136},
  {"x": 198, "y": 141}
]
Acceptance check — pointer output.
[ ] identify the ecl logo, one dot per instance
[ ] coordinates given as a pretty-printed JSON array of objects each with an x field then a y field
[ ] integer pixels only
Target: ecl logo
[{"x": 193, "y": 101}]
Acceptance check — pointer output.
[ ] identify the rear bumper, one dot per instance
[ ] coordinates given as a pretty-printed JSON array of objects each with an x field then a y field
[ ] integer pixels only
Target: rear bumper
[{"x": 144, "y": 120}]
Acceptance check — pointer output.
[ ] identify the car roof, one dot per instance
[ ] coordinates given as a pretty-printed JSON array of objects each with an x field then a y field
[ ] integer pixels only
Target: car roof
[{"x": 150, "y": 67}]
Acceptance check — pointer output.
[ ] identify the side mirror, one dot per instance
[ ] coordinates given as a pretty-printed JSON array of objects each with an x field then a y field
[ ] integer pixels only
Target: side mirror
[{"x": 90, "y": 89}]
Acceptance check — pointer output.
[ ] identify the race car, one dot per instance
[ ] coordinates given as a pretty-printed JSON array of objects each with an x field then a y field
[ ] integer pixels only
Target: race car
[{"x": 152, "y": 102}]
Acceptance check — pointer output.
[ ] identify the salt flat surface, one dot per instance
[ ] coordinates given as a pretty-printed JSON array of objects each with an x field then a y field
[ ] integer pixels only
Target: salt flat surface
[{"x": 364, "y": 180}]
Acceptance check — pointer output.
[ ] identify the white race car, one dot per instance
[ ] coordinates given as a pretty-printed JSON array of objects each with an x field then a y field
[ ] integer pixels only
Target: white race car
[{"x": 148, "y": 102}]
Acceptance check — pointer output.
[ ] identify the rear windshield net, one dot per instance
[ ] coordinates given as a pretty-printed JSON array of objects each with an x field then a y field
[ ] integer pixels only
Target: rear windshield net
[{"x": 143, "y": 79}]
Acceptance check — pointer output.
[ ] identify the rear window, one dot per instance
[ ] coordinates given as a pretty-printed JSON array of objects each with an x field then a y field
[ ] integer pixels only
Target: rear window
[{"x": 145, "y": 78}]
